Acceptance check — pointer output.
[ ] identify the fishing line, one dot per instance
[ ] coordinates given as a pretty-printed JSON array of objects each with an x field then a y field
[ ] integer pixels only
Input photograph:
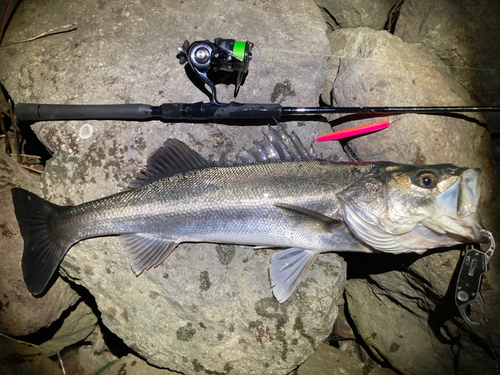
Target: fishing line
[{"x": 379, "y": 60}]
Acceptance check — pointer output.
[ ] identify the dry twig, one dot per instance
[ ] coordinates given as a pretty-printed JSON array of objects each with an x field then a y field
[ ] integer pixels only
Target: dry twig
[
  {"x": 54, "y": 31},
  {"x": 31, "y": 169},
  {"x": 15, "y": 127}
]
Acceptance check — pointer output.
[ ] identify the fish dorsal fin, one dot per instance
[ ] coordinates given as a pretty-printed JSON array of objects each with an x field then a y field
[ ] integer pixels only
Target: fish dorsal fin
[
  {"x": 146, "y": 251},
  {"x": 287, "y": 269},
  {"x": 277, "y": 145},
  {"x": 173, "y": 157},
  {"x": 300, "y": 214}
]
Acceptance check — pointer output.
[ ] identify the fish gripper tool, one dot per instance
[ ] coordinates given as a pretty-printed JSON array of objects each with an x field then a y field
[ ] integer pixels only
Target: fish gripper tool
[{"x": 474, "y": 266}]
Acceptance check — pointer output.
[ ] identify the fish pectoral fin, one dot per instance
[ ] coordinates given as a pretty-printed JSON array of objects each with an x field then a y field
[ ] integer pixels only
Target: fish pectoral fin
[
  {"x": 146, "y": 251},
  {"x": 287, "y": 269},
  {"x": 326, "y": 223}
]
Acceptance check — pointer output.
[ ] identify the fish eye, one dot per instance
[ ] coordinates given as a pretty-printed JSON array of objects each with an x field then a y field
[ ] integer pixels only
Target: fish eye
[{"x": 426, "y": 180}]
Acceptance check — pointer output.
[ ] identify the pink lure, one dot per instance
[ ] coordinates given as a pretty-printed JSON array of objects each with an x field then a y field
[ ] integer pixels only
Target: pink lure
[{"x": 352, "y": 132}]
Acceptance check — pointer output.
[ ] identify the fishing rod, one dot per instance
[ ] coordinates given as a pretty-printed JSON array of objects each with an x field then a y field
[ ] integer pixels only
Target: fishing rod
[{"x": 205, "y": 57}]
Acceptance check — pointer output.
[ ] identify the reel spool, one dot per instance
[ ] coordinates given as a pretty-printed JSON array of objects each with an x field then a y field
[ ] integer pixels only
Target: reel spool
[{"x": 223, "y": 54}]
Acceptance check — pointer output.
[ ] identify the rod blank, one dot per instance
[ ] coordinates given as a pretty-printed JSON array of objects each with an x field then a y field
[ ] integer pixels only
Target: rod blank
[{"x": 427, "y": 110}]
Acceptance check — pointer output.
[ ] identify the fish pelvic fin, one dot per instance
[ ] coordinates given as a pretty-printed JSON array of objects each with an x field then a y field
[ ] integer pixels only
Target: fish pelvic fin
[
  {"x": 44, "y": 246},
  {"x": 287, "y": 269},
  {"x": 146, "y": 250}
]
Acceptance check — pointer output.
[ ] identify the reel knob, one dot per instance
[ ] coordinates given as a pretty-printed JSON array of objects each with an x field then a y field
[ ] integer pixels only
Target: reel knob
[{"x": 182, "y": 56}]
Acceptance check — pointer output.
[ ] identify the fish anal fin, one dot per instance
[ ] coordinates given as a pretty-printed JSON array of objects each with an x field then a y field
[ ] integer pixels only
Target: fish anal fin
[
  {"x": 287, "y": 269},
  {"x": 327, "y": 223},
  {"x": 146, "y": 251}
]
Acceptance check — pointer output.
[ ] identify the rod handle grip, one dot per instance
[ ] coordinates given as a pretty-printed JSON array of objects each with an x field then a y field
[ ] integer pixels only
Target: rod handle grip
[{"x": 55, "y": 112}]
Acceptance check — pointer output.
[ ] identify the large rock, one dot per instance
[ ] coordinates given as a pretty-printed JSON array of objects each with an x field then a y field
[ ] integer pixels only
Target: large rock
[
  {"x": 76, "y": 327},
  {"x": 209, "y": 307},
  {"x": 378, "y": 69},
  {"x": 358, "y": 13},
  {"x": 464, "y": 35},
  {"x": 20, "y": 312},
  {"x": 375, "y": 68}
]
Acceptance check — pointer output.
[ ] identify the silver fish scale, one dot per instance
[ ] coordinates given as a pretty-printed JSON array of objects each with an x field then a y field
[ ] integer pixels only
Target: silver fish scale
[{"x": 227, "y": 204}]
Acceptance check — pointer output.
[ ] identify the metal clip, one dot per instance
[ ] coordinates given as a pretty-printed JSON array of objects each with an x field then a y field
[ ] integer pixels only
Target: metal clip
[{"x": 474, "y": 266}]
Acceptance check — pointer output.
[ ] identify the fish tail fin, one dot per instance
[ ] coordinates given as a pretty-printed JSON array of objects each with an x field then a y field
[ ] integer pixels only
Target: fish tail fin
[
  {"x": 44, "y": 248},
  {"x": 287, "y": 269}
]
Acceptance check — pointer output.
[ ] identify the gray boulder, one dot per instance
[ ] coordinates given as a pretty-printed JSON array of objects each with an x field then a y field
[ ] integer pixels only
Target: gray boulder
[
  {"x": 375, "y": 68},
  {"x": 445, "y": 29},
  {"x": 208, "y": 307},
  {"x": 464, "y": 35},
  {"x": 358, "y": 13},
  {"x": 76, "y": 327},
  {"x": 378, "y": 69}
]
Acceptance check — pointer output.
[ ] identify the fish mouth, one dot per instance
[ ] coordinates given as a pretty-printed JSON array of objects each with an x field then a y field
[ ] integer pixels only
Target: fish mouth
[{"x": 456, "y": 209}]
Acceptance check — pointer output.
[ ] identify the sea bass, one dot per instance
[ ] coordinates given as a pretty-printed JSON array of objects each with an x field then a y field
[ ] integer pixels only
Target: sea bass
[{"x": 278, "y": 194}]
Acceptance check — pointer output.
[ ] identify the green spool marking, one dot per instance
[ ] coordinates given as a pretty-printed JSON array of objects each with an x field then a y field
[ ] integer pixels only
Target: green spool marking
[{"x": 239, "y": 49}]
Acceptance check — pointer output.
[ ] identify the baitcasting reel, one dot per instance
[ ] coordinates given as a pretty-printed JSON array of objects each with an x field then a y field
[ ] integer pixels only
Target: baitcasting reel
[{"x": 223, "y": 54}]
